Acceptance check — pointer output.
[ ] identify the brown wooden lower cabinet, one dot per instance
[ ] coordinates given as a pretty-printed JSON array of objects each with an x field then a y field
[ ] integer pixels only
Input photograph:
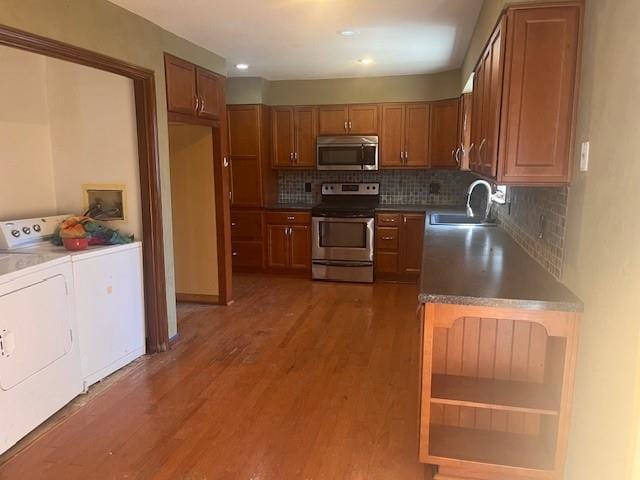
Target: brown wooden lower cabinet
[
  {"x": 398, "y": 246},
  {"x": 496, "y": 386},
  {"x": 288, "y": 241},
  {"x": 247, "y": 240}
]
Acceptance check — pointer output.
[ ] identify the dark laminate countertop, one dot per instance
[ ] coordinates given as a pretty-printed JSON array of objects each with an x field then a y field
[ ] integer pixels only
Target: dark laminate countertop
[
  {"x": 484, "y": 266},
  {"x": 289, "y": 206},
  {"x": 391, "y": 207}
]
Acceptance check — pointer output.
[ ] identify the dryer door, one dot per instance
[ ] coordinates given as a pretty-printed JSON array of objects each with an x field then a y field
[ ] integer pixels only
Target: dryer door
[{"x": 35, "y": 329}]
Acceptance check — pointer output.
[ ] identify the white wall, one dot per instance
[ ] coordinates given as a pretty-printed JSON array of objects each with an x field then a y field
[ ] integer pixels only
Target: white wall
[
  {"x": 62, "y": 126},
  {"x": 26, "y": 169},
  {"x": 93, "y": 137}
]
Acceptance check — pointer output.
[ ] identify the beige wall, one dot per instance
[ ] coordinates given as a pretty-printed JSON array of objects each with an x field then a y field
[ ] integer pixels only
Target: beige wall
[
  {"x": 193, "y": 200},
  {"x": 26, "y": 168},
  {"x": 406, "y": 88},
  {"x": 106, "y": 28},
  {"x": 93, "y": 137},
  {"x": 602, "y": 263}
]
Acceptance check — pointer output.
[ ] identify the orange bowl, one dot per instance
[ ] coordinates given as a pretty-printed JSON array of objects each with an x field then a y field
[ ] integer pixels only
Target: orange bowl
[{"x": 75, "y": 244}]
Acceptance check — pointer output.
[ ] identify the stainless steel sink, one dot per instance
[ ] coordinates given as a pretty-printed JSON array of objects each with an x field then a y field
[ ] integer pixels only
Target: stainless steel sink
[{"x": 458, "y": 219}]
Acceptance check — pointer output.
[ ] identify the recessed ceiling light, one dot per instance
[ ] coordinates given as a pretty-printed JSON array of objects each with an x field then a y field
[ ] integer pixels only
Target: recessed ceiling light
[
  {"x": 349, "y": 33},
  {"x": 242, "y": 66},
  {"x": 366, "y": 61}
]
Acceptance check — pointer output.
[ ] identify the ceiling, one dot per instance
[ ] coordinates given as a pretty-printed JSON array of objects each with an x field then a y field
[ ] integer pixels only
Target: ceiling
[{"x": 300, "y": 39}]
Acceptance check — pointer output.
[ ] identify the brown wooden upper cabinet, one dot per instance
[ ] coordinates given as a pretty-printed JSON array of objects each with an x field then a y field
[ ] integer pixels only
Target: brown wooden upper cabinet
[
  {"x": 464, "y": 131},
  {"x": 443, "y": 134},
  {"x": 253, "y": 183},
  {"x": 294, "y": 131},
  {"x": 192, "y": 90},
  {"x": 348, "y": 119},
  {"x": 524, "y": 96},
  {"x": 404, "y": 141}
]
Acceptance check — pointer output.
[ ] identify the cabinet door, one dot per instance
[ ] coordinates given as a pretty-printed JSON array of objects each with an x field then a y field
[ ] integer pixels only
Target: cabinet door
[
  {"x": 300, "y": 247},
  {"x": 363, "y": 119},
  {"x": 411, "y": 240},
  {"x": 209, "y": 86},
  {"x": 416, "y": 128},
  {"x": 181, "y": 85},
  {"x": 282, "y": 131},
  {"x": 277, "y": 246},
  {"x": 247, "y": 254},
  {"x": 540, "y": 83},
  {"x": 464, "y": 130},
  {"x": 333, "y": 120},
  {"x": 493, "y": 76},
  {"x": 478, "y": 124},
  {"x": 244, "y": 155},
  {"x": 443, "y": 133},
  {"x": 306, "y": 128},
  {"x": 392, "y": 136}
]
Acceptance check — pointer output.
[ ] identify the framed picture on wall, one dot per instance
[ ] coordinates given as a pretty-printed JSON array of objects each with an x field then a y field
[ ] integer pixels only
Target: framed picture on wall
[{"x": 105, "y": 202}]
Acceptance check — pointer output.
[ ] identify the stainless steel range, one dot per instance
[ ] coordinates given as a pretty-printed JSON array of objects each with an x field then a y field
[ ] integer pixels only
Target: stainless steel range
[{"x": 343, "y": 226}]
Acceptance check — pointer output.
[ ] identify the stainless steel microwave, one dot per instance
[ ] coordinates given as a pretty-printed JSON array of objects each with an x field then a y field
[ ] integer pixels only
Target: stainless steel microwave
[{"x": 347, "y": 153}]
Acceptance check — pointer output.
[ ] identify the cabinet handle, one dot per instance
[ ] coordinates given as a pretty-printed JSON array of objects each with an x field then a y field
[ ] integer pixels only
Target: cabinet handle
[
  {"x": 202, "y": 104},
  {"x": 197, "y": 101},
  {"x": 235, "y": 254},
  {"x": 349, "y": 124},
  {"x": 225, "y": 162},
  {"x": 345, "y": 126},
  {"x": 406, "y": 157},
  {"x": 295, "y": 157},
  {"x": 233, "y": 224},
  {"x": 291, "y": 218},
  {"x": 387, "y": 238}
]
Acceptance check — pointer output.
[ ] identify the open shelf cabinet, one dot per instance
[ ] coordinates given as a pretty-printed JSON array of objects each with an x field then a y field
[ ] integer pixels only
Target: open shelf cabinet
[{"x": 496, "y": 387}]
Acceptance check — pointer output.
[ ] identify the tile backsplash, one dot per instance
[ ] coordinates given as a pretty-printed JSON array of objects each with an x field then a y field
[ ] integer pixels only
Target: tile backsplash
[
  {"x": 407, "y": 187},
  {"x": 521, "y": 218}
]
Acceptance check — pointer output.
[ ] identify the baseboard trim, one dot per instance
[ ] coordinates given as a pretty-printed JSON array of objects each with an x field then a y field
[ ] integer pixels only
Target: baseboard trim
[{"x": 198, "y": 298}]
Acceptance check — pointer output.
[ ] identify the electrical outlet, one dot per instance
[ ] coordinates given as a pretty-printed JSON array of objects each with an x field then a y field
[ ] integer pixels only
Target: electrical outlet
[
  {"x": 307, "y": 187},
  {"x": 434, "y": 188},
  {"x": 584, "y": 157}
]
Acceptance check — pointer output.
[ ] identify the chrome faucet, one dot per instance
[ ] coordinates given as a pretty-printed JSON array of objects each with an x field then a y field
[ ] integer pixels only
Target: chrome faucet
[{"x": 487, "y": 185}]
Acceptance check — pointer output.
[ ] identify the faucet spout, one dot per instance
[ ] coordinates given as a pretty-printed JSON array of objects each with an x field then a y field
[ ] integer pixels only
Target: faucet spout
[{"x": 472, "y": 187}]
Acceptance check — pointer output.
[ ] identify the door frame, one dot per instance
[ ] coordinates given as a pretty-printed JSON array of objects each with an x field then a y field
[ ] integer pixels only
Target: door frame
[
  {"x": 222, "y": 189},
  {"x": 155, "y": 291}
]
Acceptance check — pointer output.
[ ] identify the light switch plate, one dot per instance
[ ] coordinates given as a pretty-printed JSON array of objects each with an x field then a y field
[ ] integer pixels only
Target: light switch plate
[{"x": 584, "y": 157}]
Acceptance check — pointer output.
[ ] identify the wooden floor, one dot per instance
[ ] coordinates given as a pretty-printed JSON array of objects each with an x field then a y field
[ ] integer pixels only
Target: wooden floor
[{"x": 296, "y": 380}]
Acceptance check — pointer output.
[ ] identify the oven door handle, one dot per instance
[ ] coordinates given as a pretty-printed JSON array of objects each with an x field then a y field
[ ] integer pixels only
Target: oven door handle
[{"x": 337, "y": 263}]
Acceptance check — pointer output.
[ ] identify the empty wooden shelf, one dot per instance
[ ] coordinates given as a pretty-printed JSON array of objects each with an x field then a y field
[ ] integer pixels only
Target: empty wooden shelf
[{"x": 495, "y": 394}]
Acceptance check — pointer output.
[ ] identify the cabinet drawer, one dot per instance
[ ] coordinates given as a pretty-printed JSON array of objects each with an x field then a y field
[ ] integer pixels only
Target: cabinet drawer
[
  {"x": 247, "y": 254},
  {"x": 387, "y": 262},
  {"x": 246, "y": 224},
  {"x": 388, "y": 219},
  {"x": 387, "y": 238},
  {"x": 288, "y": 218}
]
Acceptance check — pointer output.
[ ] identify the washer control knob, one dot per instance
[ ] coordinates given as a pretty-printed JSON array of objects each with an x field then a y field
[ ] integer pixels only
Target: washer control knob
[
  {"x": 15, "y": 233},
  {"x": 36, "y": 228},
  {"x": 26, "y": 230}
]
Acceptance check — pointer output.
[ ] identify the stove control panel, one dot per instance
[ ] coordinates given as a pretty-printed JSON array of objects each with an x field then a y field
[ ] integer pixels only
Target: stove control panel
[
  {"x": 350, "y": 189},
  {"x": 21, "y": 233}
]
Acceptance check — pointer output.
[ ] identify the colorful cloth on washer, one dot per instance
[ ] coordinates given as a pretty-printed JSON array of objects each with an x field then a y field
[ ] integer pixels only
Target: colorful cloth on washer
[{"x": 87, "y": 227}]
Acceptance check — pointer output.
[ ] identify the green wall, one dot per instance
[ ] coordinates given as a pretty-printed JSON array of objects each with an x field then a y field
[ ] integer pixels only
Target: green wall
[
  {"x": 405, "y": 88},
  {"x": 106, "y": 28}
]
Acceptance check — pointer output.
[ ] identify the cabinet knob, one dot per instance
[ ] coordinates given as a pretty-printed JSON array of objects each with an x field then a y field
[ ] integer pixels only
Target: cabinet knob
[
  {"x": 235, "y": 254},
  {"x": 233, "y": 224}
]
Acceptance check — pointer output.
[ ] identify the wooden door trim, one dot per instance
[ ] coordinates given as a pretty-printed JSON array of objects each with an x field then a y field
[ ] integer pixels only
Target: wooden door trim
[{"x": 156, "y": 316}]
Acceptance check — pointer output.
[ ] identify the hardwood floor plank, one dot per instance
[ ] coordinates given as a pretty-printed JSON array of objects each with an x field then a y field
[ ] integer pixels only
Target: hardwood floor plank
[{"x": 295, "y": 380}]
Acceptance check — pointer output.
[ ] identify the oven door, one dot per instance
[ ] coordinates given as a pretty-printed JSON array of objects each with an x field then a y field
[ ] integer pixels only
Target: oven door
[{"x": 344, "y": 239}]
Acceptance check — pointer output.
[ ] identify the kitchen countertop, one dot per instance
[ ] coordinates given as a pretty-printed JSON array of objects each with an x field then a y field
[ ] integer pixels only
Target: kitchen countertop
[
  {"x": 483, "y": 266},
  {"x": 380, "y": 208},
  {"x": 289, "y": 206}
]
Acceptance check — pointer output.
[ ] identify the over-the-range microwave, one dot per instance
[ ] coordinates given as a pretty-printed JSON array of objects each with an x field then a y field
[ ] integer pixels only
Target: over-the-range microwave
[{"x": 347, "y": 153}]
